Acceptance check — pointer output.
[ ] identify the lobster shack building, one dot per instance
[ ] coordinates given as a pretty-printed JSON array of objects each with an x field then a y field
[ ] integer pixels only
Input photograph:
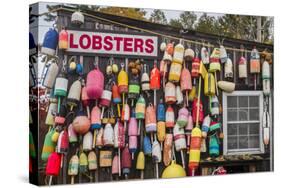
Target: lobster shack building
[{"x": 230, "y": 79}]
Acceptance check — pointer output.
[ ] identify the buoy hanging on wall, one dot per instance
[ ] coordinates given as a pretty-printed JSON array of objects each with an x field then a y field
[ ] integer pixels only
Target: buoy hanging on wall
[
  {"x": 108, "y": 136},
  {"x": 150, "y": 119},
  {"x": 51, "y": 75},
  {"x": 228, "y": 68},
  {"x": 87, "y": 141},
  {"x": 215, "y": 60},
  {"x": 61, "y": 87},
  {"x": 145, "y": 80},
  {"x": 209, "y": 85},
  {"x": 63, "y": 39},
  {"x": 173, "y": 171},
  {"x": 189, "y": 54},
  {"x": 53, "y": 166},
  {"x": 77, "y": 18},
  {"x": 178, "y": 53},
  {"x": 170, "y": 117},
  {"x": 81, "y": 123},
  {"x": 50, "y": 42},
  {"x": 163, "y": 46},
  {"x": 95, "y": 84},
  {"x": 194, "y": 156},
  {"x": 204, "y": 55},
  {"x": 183, "y": 115},
  {"x": 48, "y": 146},
  {"x": 223, "y": 54},
  {"x": 170, "y": 93},
  {"x": 32, "y": 45},
  {"x": 73, "y": 167},
  {"x": 266, "y": 78},
  {"x": 167, "y": 151},
  {"x": 226, "y": 86},
  {"x": 52, "y": 110},
  {"x": 242, "y": 68},
  {"x": 74, "y": 93}
]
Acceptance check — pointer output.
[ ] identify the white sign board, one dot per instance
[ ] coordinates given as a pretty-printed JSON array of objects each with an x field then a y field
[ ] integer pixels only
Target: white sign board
[{"x": 112, "y": 43}]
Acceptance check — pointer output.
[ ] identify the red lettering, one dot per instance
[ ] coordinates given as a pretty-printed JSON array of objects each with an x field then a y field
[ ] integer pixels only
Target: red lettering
[
  {"x": 149, "y": 46},
  {"x": 108, "y": 43},
  {"x": 138, "y": 45},
  {"x": 97, "y": 42},
  {"x": 128, "y": 45},
  {"x": 71, "y": 41},
  {"x": 102, "y": 41},
  {"x": 82, "y": 41},
  {"x": 118, "y": 40}
]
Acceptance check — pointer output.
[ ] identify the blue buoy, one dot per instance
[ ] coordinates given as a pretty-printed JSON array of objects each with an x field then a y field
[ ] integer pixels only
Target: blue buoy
[
  {"x": 32, "y": 45},
  {"x": 147, "y": 148},
  {"x": 50, "y": 42},
  {"x": 161, "y": 112},
  {"x": 79, "y": 69}
]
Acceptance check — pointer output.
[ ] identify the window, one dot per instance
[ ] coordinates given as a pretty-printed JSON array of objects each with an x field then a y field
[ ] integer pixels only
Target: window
[{"x": 242, "y": 120}]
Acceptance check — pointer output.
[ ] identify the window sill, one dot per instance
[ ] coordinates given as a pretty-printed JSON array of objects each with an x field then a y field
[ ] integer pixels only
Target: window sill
[{"x": 233, "y": 160}]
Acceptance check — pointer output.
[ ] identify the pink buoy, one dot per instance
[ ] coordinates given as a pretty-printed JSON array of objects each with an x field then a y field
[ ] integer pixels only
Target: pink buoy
[
  {"x": 133, "y": 144},
  {"x": 95, "y": 84},
  {"x": 133, "y": 126}
]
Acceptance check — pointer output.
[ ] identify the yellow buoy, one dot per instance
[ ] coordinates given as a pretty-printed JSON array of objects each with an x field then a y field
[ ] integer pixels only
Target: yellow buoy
[
  {"x": 55, "y": 136},
  {"x": 175, "y": 72},
  {"x": 173, "y": 171},
  {"x": 83, "y": 163},
  {"x": 194, "y": 153},
  {"x": 123, "y": 81},
  {"x": 178, "y": 53},
  {"x": 140, "y": 161},
  {"x": 192, "y": 94},
  {"x": 141, "y": 164},
  {"x": 72, "y": 66},
  {"x": 161, "y": 131},
  {"x": 209, "y": 85}
]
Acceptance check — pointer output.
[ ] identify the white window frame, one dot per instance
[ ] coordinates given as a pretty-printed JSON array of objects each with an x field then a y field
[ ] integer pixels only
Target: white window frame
[{"x": 242, "y": 151}]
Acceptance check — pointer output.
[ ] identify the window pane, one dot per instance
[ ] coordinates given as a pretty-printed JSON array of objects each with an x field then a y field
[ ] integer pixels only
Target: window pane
[
  {"x": 232, "y": 142},
  {"x": 243, "y": 101},
  {"x": 254, "y": 142},
  {"x": 254, "y": 101},
  {"x": 241, "y": 134},
  {"x": 254, "y": 128},
  {"x": 232, "y": 115},
  {"x": 243, "y": 142},
  {"x": 254, "y": 114},
  {"x": 232, "y": 129},
  {"x": 232, "y": 101},
  {"x": 243, "y": 114},
  {"x": 243, "y": 129}
]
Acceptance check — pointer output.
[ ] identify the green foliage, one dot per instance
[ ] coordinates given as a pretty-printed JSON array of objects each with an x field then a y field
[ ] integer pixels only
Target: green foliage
[
  {"x": 234, "y": 26},
  {"x": 208, "y": 24},
  {"x": 186, "y": 20},
  {"x": 245, "y": 27},
  {"x": 135, "y": 13},
  {"x": 158, "y": 16},
  {"x": 175, "y": 23}
]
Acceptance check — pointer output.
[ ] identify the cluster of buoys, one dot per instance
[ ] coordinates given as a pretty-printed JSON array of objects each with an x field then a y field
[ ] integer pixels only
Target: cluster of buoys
[{"x": 174, "y": 121}]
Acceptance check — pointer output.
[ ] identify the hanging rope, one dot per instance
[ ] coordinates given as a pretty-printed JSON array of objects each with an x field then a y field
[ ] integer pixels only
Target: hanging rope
[{"x": 146, "y": 30}]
